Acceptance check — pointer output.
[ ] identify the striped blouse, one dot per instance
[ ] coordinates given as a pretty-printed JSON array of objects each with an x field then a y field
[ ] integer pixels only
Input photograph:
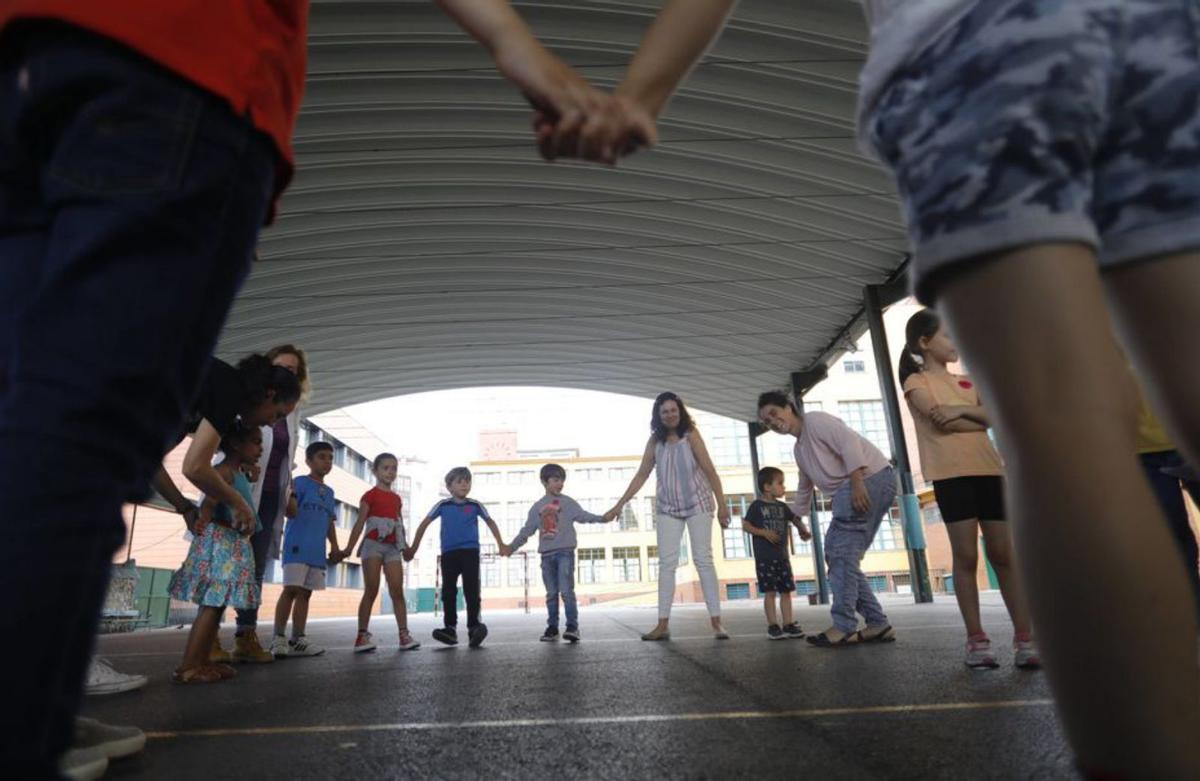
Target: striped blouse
[{"x": 682, "y": 489}]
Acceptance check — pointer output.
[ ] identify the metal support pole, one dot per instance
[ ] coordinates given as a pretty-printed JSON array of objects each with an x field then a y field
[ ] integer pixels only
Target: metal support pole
[
  {"x": 802, "y": 382},
  {"x": 525, "y": 564},
  {"x": 874, "y": 297},
  {"x": 755, "y": 428}
]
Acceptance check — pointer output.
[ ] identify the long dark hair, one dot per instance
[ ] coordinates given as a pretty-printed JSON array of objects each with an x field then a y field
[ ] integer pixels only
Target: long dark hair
[
  {"x": 656, "y": 424},
  {"x": 259, "y": 375},
  {"x": 922, "y": 325}
]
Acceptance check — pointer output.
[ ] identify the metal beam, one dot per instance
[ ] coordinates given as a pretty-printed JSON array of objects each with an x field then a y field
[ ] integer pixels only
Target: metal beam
[
  {"x": 802, "y": 383},
  {"x": 910, "y": 511}
]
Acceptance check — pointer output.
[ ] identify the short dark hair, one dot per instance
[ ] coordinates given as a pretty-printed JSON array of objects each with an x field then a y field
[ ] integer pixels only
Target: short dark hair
[
  {"x": 316, "y": 447},
  {"x": 552, "y": 470},
  {"x": 776, "y": 398},
  {"x": 656, "y": 425},
  {"x": 379, "y": 459},
  {"x": 768, "y": 474},
  {"x": 258, "y": 376},
  {"x": 457, "y": 473}
]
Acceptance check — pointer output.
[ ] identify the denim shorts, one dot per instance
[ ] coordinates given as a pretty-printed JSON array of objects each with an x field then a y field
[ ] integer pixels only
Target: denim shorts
[{"x": 1035, "y": 121}]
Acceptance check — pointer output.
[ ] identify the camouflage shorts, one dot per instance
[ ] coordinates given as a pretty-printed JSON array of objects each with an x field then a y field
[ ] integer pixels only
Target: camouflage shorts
[{"x": 1033, "y": 121}]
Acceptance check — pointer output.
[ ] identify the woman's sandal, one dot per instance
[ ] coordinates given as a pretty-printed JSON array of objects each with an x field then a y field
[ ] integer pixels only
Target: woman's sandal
[
  {"x": 822, "y": 640},
  {"x": 884, "y": 635},
  {"x": 202, "y": 674},
  {"x": 657, "y": 634},
  {"x": 224, "y": 670}
]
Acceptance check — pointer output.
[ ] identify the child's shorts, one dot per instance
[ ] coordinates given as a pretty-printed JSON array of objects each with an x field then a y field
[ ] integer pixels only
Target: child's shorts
[
  {"x": 774, "y": 575},
  {"x": 304, "y": 576},
  {"x": 389, "y": 552},
  {"x": 1029, "y": 122}
]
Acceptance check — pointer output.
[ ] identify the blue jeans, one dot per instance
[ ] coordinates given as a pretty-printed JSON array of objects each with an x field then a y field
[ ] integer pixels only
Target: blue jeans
[
  {"x": 558, "y": 574},
  {"x": 130, "y": 203},
  {"x": 850, "y": 534}
]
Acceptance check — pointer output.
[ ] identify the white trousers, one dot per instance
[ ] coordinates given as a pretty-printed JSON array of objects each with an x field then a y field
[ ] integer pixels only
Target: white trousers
[{"x": 670, "y": 536}]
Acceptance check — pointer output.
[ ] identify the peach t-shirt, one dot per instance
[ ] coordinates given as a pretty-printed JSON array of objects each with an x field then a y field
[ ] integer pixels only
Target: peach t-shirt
[{"x": 949, "y": 454}]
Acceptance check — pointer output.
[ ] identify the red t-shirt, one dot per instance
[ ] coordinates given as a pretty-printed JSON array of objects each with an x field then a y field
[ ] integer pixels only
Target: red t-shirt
[
  {"x": 252, "y": 53},
  {"x": 382, "y": 504}
]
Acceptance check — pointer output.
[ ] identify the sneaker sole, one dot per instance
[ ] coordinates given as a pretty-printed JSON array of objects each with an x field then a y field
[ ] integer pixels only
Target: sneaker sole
[
  {"x": 992, "y": 665},
  {"x": 571, "y": 640},
  {"x": 411, "y": 647},
  {"x": 446, "y": 641},
  {"x": 305, "y": 654},
  {"x": 89, "y": 771},
  {"x": 549, "y": 639},
  {"x": 123, "y": 747},
  {"x": 364, "y": 649},
  {"x": 477, "y": 640},
  {"x": 115, "y": 688},
  {"x": 779, "y": 637}
]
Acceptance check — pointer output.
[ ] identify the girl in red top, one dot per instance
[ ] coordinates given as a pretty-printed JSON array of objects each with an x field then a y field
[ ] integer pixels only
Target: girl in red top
[{"x": 382, "y": 548}]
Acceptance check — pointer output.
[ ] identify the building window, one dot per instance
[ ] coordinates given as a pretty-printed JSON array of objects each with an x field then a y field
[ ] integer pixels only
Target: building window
[
  {"x": 489, "y": 573},
  {"x": 737, "y": 590},
  {"x": 805, "y": 587},
  {"x": 591, "y": 565},
  {"x": 799, "y": 546},
  {"x": 651, "y": 562},
  {"x": 736, "y": 542},
  {"x": 516, "y": 570},
  {"x": 854, "y": 366},
  {"x": 931, "y": 514},
  {"x": 889, "y": 536},
  {"x": 651, "y": 520},
  {"x": 628, "y": 519},
  {"x": 878, "y": 582},
  {"x": 353, "y": 575},
  {"x": 339, "y": 454},
  {"x": 627, "y": 564},
  {"x": 866, "y": 417}
]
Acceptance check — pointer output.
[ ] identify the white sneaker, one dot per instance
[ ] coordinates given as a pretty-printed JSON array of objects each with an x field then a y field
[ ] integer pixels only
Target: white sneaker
[
  {"x": 1025, "y": 655},
  {"x": 979, "y": 654},
  {"x": 301, "y": 647},
  {"x": 279, "y": 647},
  {"x": 115, "y": 742},
  {"x": 83, "y": 764},
  {"x": 103, "y": 679}
]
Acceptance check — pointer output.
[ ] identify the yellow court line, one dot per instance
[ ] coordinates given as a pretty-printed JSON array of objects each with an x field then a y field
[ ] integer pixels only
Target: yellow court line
[{"x": 812, "y": 713}]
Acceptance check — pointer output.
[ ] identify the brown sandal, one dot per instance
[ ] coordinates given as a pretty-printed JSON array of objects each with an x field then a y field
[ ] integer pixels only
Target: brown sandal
[{"x": 224, "y": 670}]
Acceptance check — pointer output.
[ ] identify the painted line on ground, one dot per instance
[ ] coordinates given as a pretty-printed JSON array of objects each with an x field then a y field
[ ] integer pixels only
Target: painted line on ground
[
  {"x": 427, "y": 726},
  {"x": 503, "y": 643}
]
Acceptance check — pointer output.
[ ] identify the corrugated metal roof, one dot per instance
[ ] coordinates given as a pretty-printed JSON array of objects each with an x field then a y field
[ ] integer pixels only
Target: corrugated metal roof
[{"x": 424, "y": 245}]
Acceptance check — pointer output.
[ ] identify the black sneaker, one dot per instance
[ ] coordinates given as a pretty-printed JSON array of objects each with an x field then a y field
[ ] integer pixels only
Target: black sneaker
[
  {"x": 775, "y": 633},
  {"x": 793, "y": 631},
  {"x": 571, "y": 635},
  {"x": 550, "y": 635},
  {"x": 446, "y": 635},
  {"x": 476, "y": 634}
]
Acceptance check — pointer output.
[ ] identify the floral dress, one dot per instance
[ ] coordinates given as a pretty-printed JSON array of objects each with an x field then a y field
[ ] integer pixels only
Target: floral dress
[{"x": 219, "y": 568}]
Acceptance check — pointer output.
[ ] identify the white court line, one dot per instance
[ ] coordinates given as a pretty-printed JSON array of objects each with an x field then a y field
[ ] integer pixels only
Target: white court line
[
  {"x": 426, "y": 726},
  {"x": 586, "y": 641}
]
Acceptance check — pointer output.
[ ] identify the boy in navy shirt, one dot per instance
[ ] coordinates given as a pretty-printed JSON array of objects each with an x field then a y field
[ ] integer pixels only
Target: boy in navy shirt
[
  {"x": 311, "y": 515},
  {"x": 460, "y": 555}
]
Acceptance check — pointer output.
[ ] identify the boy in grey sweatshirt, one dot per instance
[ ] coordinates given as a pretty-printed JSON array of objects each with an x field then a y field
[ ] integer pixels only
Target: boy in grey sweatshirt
[{"x": 554, "y": 517}]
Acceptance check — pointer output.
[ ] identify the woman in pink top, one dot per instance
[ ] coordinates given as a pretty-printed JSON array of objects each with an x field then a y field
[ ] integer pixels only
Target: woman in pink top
[{"x": 967, "y": 475}]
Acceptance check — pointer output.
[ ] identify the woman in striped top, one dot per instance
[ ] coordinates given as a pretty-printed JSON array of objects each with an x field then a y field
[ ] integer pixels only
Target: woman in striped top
[{"x": 687, "y": 493}]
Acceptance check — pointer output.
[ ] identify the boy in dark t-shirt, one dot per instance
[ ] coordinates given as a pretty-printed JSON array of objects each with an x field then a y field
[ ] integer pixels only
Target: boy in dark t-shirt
[{"x": 767, "y": 521}]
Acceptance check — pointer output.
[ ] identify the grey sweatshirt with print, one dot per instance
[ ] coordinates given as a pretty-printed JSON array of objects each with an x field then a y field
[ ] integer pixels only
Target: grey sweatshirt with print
[{"x": 563, "y": 512}]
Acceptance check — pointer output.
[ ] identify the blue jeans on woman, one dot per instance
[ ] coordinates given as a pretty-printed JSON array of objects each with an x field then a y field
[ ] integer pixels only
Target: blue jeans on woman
[
  {"x": 558, "y": 575},
  {"x": 850, "y": 535},
  {"x": 130, "y": 203}
]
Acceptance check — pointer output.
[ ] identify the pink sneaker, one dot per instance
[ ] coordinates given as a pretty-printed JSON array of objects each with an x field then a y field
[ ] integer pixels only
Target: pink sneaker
[
  {"x": 363, "y": 643},
  {"x": 979, "y": 653},
  {"x": 1025, "y": 654},
  {"x": 406, "y": 641}
]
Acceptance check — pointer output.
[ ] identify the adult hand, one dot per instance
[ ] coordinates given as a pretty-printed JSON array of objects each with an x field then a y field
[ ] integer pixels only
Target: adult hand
[
  {"x": 860, "y": 500},
  {"x": 243, "y": 516},
  {"x": 191, "y": 517},
  {"x": 614, "y": 128},
  {"x": 723, "y": 515},
  {"x": 203, "y": 519},
  {"x": 506, "y": 550},
  {"x": 610, "y": 516},
  {"x": 409, "y": 553}
]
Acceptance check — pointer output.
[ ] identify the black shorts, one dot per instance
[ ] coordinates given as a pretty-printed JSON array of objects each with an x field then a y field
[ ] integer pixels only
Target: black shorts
[
  {"x": 774, "y": 575},
  {"x": 964, "y": 498}
]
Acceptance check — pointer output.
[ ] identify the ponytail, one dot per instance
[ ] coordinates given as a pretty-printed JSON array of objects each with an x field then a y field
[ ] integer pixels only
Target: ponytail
[{"x": 922, "y": 325}]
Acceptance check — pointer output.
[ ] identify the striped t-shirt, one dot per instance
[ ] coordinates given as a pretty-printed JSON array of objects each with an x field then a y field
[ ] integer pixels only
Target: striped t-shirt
[{"x": 682, "y": 489}]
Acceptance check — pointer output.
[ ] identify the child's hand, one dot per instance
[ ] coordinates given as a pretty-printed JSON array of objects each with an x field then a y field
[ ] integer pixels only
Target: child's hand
[
  {"x": 243, "y": 516},
  {"x": 252, "y": 472},
  {"x": 770, "y": 536},
  {"x": 611, "y": 515},
  {"x": 805, "y": 534},
  {"x": 409, "y": 553},
  {"x": 505, "y": 550}
]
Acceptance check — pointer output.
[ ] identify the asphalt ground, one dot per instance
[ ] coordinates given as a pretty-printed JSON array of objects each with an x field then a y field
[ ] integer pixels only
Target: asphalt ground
[{"x": 610, "y": 707}]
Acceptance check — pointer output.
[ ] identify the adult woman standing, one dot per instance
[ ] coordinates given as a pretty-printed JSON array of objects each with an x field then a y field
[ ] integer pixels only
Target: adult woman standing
[
  {"x": 271, "y": 491},
  {"x": 688, "y": 491}
]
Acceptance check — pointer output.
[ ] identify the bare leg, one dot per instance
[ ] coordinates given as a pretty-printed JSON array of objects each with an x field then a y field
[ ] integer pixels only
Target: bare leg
[
  {"x": 300, "y": 612},
  {"x": 200, "y": 638},
  {"x": 769, "y": 606},
  {"x": 999, "y": 552},
  {"x": 1033, "y": 326},
  {"x": 785, "y": 607},
  {"x": 394, "y": 571},
  {"x": 964, "y": 547},
  {"x": 370, "y": 570},
  {"x": 283, "y": 609}
]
